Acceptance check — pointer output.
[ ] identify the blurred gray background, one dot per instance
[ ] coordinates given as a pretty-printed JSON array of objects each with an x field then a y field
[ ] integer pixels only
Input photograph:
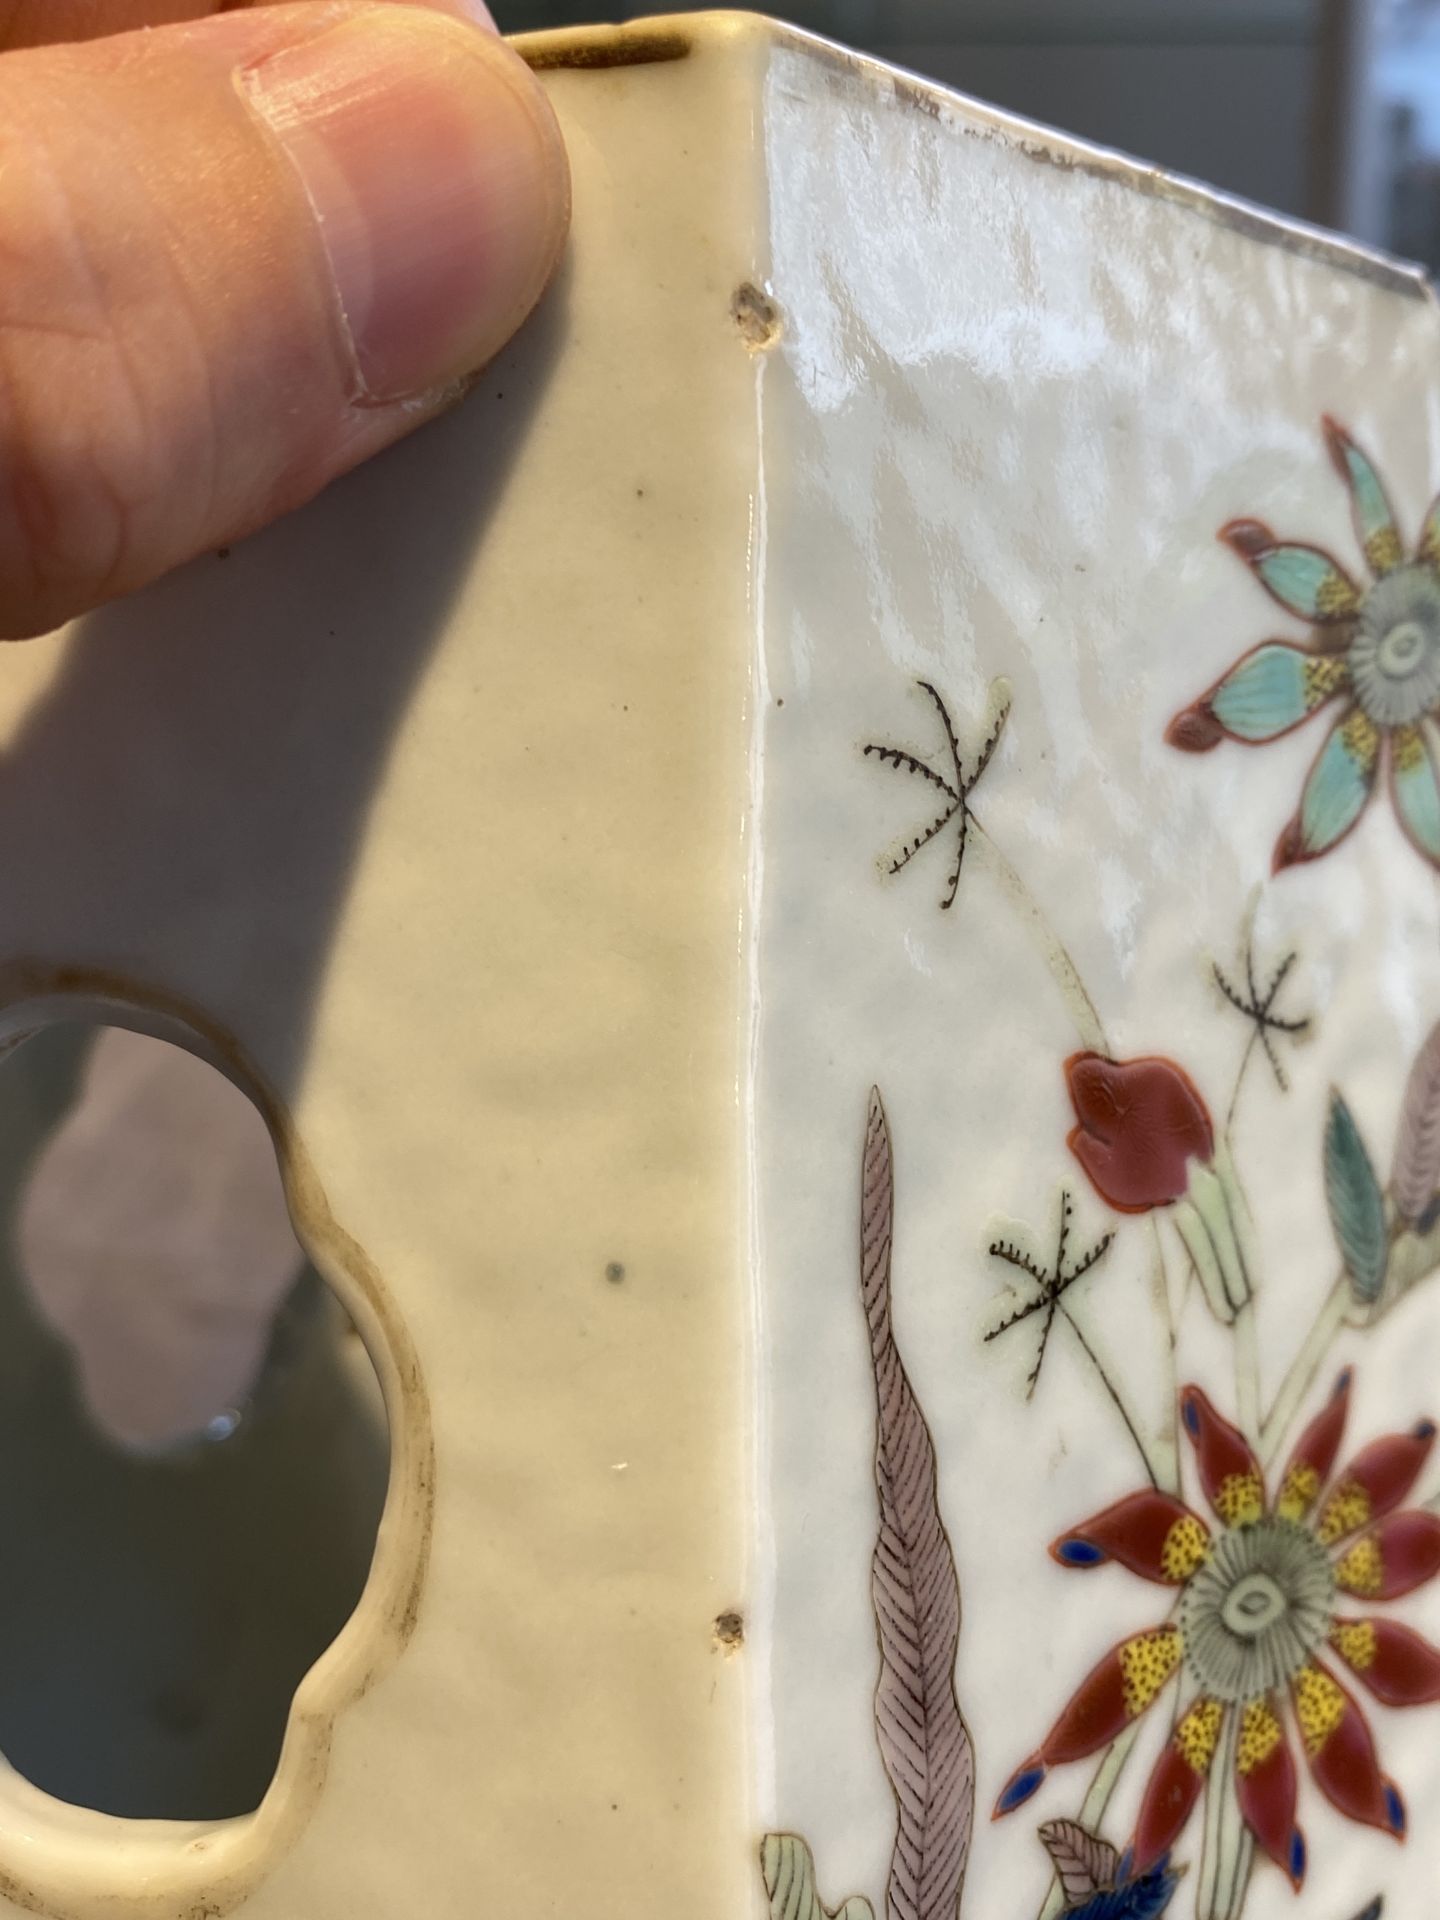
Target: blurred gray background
[{"x": 1325, "y": 109}]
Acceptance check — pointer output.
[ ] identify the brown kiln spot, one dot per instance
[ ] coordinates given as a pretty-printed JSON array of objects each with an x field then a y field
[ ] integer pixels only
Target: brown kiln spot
[
  {"x": 757, "y": 317},
  {"x": 729, "y": 1633}
]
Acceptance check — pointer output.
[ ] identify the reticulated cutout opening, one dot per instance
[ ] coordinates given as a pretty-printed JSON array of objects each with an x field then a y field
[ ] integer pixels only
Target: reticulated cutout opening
[{"x": 193, "y": 1448}]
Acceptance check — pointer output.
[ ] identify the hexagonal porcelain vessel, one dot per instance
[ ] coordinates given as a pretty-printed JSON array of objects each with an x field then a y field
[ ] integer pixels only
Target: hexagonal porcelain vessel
[{"x": 830, "y": 894}]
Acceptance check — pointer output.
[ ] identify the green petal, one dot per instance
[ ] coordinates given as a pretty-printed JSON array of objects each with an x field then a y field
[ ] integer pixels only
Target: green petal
[
  {"x": 1357, "y": 1207},
  {"x": 1339, "y": 784},
  {"x": 1374, "y": 522},
  {"x": 1273, "y": 689},
  {"x": 1305, "y": 580},
  {"x": 1415, "y": 790}
]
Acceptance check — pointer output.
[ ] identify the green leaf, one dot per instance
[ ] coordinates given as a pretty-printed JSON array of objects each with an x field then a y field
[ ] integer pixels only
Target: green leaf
[
  {"x": 789, "y": 1874},
  {"x": 1357, "y": 1206}
]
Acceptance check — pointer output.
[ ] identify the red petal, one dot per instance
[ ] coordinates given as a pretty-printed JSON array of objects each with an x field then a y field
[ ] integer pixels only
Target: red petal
[
  {"x": 1176, "y": 1782},
  {"x": 1402, "y": 1553},
  {"x": 1314, "y": 1456},
  {"x": 1195, "y": 729},
  {"x": 1229, "y": 1471},
  {"x": 1377, "y": 1480},
  {"x": 1265, "y": 1785},
  {"x": 1116, "y": 1691},
  {"x": 1151, "y": 1533},
  {"x": 1398, "y": 1665},
  {"x": 1341, "y": 1751},
  {"x": 1141, "y": 1122}
]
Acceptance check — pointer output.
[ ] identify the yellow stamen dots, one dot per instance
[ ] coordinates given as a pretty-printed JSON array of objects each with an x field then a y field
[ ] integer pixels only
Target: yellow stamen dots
[
  {"x": 1335, "y": 594},
  {"x": 1347, "y": 1508},
  {"x": 1319, "y": 1707},
  {"x": 1260, "y": 1734},
  {"x": 1354, "y": 1641},
  {"x": 1298, "y": 1491},
  {"x": 1407, "y": 749},
  {"x": 1383, "y": 550},
  {"x": 1186, "y": 1549},
  {"x": 1362, "y": 740},
  {"x": 1361, "y": 1571},
  {"x": 1325, "y": 674},
  {"x": 1198, "y": 1734},
  {"x": 1147, "y": 1663},
  {"x": 1240, "y": 1499}
]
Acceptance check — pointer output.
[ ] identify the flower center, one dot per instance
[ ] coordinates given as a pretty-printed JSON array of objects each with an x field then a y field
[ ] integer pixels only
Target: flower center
[
  {"x": 1402, "y": 649},
  {"x": 1252, "y": 1605},
  {"x": 1394, "y": 656},
  {"x": 1256, "y": 1611}
]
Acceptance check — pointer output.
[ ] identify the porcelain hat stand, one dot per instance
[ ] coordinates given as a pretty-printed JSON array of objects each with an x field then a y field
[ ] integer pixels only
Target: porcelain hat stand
[{"x": 830, "y": 895}]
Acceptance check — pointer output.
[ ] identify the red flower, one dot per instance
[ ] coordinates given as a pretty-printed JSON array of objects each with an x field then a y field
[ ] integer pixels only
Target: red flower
[
  {"x": 1141, "y": 1124},
  {"x": 1255, "y": 1605}
]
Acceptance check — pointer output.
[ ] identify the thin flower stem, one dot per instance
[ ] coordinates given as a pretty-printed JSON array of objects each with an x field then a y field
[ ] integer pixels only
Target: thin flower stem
[
  {"x": 1247, "y": 1373},
  {"x": 1246, "y": 1057},
  {"x": 1227, "y": 1853},
  {"x": 1303, "y": 1369},
  {"x": 1116, "y": 1396},
  {"x": 1206, "y": 1893},
  {"x": 1092, "y": 1807},
  {"x": 1063, "y": 971},
  {"x": 1089, "y": 1029},
  {"x": 1168, "y": 1450}
]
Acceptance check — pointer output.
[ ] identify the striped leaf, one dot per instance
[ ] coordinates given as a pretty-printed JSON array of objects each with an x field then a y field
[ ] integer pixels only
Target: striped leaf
[
  {"x": 1084, "y": 1863},
  {"x": 1416, "y": 1177},
  {"x": 789, "y": 1872},
  {"x": 1357, "y": 1206},
  {"x": 924, "y": 1742}
]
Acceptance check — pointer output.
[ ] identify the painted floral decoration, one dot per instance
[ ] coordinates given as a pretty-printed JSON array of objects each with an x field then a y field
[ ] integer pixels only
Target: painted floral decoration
[
  {"x": 1139, "y": 1126},
  {"x": 1145, "y": 1139},
  {"x": 1255, "y": 1604},
  {"x": 1374, "y": 649}
]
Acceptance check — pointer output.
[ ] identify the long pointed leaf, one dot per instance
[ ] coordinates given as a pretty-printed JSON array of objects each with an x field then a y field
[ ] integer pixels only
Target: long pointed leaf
[
  {"x": 789, "y": 1872},
  {"x": 924, "y": 1741},
  {"x": 1417, "y": 1148},
  {"x": 1357, "y": 1206}
]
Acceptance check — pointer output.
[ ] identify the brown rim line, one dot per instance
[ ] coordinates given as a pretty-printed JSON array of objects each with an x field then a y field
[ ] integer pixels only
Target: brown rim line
[
  {"x": 668, "y": 37},
  {"x": 75, "y": 1864},
  {"x": 641, "y": 45}
]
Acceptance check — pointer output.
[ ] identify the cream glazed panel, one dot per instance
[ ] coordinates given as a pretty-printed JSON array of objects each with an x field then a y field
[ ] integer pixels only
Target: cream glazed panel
[
  {"x": 1104, "y": 849},
  {"x": 422, "y": 814}
]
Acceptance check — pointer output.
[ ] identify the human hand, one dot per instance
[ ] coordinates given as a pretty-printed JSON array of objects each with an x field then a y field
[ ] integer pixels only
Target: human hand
[{"x": 238, "y": 255}]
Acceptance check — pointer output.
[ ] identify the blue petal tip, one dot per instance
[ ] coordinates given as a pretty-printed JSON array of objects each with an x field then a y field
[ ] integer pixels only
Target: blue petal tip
[
  {"x": 1075, "y": 1552},
  {"x": 1022, "y": 1785},
  {"x": 1394, "y": 1810},
  {"x": 1297, "y": 1859}
]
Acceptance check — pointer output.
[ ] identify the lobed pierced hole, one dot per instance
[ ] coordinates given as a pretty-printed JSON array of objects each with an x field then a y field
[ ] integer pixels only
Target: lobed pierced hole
[{"x": 193, "y": 1454}]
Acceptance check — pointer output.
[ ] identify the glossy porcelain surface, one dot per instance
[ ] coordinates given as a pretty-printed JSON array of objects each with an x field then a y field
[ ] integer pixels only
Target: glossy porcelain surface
[{"x": 1105, "y": 849}]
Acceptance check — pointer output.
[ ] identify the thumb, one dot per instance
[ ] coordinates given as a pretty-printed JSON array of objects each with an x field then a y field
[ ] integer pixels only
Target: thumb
[{"x": 240, "y": 256}]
